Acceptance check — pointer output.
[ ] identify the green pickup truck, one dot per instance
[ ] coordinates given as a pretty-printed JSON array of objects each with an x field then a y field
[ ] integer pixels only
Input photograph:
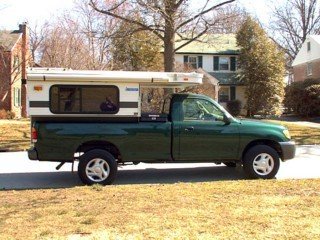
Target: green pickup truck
[{"x": 190, "y": 128}]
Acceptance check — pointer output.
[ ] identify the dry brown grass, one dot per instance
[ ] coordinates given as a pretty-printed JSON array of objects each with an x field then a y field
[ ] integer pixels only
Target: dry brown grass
[
  {"x": 302, "y": 135},
  {"x": 15, "y": 135},
  {"x": 218, "y": 210}
]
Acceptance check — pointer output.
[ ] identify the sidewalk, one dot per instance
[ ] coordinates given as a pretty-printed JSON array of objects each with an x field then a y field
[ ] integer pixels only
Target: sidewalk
[
  {"x": 308, "y": 151},
  {"x": 307, "y": 124},
  {"x": 313, "y": 122}
]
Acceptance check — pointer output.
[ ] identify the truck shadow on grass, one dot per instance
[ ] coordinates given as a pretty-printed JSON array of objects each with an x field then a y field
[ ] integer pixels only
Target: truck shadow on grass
[{"x": 53, "y": 180}]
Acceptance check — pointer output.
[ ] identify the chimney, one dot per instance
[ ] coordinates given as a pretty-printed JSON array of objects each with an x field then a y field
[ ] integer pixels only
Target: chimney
[
  {"x": 25, "y": 61},
  {"x": 23, "y": 28}
]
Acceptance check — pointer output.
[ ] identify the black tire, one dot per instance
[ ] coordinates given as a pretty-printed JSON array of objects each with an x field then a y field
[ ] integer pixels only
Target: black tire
[
  {"x": 106, "y": 167},
  {"x": 230, "y": 164},
  {"x": 268, "y": 165}
]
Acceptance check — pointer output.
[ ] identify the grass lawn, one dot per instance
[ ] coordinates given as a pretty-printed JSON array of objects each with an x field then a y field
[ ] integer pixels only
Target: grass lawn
[
  {"x": 15, "y": 135},
  {"x": 217, "y": 210},
  {"x": 302, "y": 135}
]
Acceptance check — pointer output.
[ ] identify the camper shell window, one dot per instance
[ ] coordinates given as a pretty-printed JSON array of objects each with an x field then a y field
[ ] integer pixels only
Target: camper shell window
[{"x": 83, "y": 99}]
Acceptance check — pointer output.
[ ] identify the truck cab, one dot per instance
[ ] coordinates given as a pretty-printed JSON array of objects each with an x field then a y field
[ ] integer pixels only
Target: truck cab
[{"x": 190, "y": 128}]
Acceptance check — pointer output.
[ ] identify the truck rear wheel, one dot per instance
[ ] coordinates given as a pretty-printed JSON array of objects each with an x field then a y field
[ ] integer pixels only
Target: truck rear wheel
[
  {"x": 261, "y": 161},
  {"x": 97, "y": 167}
]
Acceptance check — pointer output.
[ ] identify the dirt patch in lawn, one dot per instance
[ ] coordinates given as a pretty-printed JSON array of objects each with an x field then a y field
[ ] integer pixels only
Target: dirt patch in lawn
[{"x": 221, "y": 210}]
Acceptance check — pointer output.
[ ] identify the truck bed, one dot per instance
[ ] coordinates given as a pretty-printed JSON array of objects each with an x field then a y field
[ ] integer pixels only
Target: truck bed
[{"x": 136, "y": 141}]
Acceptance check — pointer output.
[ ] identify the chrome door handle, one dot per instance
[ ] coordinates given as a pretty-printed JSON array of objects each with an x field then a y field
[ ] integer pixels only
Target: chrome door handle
[{"x": 188, "y": 129}]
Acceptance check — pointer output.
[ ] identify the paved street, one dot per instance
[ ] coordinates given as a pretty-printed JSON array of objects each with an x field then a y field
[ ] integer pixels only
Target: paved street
[{"x": 17, "y": 172}]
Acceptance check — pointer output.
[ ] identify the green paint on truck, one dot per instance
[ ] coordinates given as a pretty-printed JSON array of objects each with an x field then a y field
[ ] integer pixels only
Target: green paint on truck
[{"x": 193, "y": 129}]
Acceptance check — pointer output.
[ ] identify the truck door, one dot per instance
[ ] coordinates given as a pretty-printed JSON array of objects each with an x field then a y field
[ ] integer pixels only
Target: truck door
[{"x": 203, "y": 135}]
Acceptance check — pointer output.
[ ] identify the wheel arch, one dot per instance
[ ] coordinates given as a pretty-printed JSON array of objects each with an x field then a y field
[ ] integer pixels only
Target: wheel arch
[
  {"x": 99, "y": 144},
  {"x": 273, "y": 144}
]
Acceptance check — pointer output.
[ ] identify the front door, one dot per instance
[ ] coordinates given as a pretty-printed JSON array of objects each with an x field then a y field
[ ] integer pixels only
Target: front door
[{"x": 203, "y": 133}]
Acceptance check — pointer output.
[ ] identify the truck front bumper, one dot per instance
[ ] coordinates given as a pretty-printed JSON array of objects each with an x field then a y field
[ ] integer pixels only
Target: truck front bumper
[
  {"x": 288, "y": 150},
  {"x": 33, "y": 154}
]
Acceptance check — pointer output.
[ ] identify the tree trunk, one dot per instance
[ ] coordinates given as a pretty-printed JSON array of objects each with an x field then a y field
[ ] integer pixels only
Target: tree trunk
[
  {"x": 169, "y": 41},
  {"x": 169, "y": 61},
  {"x": 169, "y": 35}
]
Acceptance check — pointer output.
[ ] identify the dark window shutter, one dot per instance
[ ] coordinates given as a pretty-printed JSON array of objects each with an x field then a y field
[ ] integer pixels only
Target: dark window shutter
[
  {"x": 185, "y": 59},
  {"x": 199, "y": 61},
  {"x": 216, "y": 63},
  {"x": 232, "y": 93},
  {"x": 233, "y": 63}
]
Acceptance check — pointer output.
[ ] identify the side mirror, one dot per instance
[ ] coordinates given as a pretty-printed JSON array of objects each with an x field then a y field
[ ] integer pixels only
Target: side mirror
[{"x": 226, "y": 119}]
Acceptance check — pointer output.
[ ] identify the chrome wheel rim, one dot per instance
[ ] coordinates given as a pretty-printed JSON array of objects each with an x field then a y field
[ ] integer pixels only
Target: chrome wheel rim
[
  {"x": 263, "y": 164},
  {"x": 97, "y": 170}
]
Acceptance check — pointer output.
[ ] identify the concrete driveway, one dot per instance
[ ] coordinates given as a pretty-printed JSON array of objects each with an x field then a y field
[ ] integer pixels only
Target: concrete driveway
[{"x": 17, "y": 172}]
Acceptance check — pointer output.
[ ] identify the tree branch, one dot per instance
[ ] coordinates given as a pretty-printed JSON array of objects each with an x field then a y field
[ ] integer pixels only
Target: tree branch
[
  {"x": 109, "y": 13},
  {"x": 192, "y": 39},
  {"x": 202, "y": 13}
]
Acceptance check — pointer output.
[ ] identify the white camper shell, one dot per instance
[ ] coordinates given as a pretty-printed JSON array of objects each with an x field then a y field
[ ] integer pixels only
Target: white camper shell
[{"x": 65, "y": 92}]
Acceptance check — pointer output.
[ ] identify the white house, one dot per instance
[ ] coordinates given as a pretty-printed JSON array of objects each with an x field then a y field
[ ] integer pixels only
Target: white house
[{"x": 218, "y": 56}]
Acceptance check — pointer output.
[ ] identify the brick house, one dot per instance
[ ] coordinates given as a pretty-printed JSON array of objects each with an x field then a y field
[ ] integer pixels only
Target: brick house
[
  {"x": 306, "y": 65},
  {"x": 217, "y": 57},
  {"x": 15, "y": 57}
]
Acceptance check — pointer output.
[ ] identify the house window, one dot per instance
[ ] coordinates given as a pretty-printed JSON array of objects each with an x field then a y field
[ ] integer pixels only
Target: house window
[
  {"x": 224, "y": 94},
  {"x": 17, "y": 97},
  {"x": 193, "y": 62},
  {"x": 16, "y": 63},
  {"x": 84, "y": 99},
  {"x": 309, "y": 69},
  {"x": 223, "y": 63},
  {"x": 309, "y": 46}
]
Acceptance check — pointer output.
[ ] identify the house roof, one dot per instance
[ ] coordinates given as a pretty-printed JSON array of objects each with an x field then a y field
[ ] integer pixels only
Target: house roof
[
  {"x": 208, "y": 78},
  {"x": 211, "y": 44},
  {"x": 8, "y": 39},
  {"x": 304, "y": 55},
  {"x": 227, "y": 78}
]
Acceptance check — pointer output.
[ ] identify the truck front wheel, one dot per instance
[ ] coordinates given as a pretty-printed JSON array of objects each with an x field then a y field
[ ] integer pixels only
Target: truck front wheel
[
  {"x": 261, "y": 161},
  {"x": 97, "y": 166}
]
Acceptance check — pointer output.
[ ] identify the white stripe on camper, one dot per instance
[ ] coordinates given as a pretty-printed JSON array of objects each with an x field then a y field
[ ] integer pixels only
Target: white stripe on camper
[{"x": 46, "y": 112}]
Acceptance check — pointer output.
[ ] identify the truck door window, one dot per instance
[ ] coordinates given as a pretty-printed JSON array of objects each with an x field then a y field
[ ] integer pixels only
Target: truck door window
[{"x": 200, "y": 109}]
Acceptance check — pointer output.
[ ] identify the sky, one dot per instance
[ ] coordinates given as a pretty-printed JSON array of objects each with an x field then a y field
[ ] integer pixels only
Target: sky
[{"x": 13, "y": 12}]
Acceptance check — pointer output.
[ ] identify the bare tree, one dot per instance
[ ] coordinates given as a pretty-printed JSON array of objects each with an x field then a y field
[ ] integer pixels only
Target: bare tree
[
  {"x": 70, "y": 41},
  {"x": 77, "y": 39},
  {"x": 293, "y": 22},
  {"x": 38, "y": 34},
  {"x": 97, "y": 30},
  {"x": 63, "y": 46},
  {"x": 228, "y": 19},
  {"x": 165, "y": 19}
]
